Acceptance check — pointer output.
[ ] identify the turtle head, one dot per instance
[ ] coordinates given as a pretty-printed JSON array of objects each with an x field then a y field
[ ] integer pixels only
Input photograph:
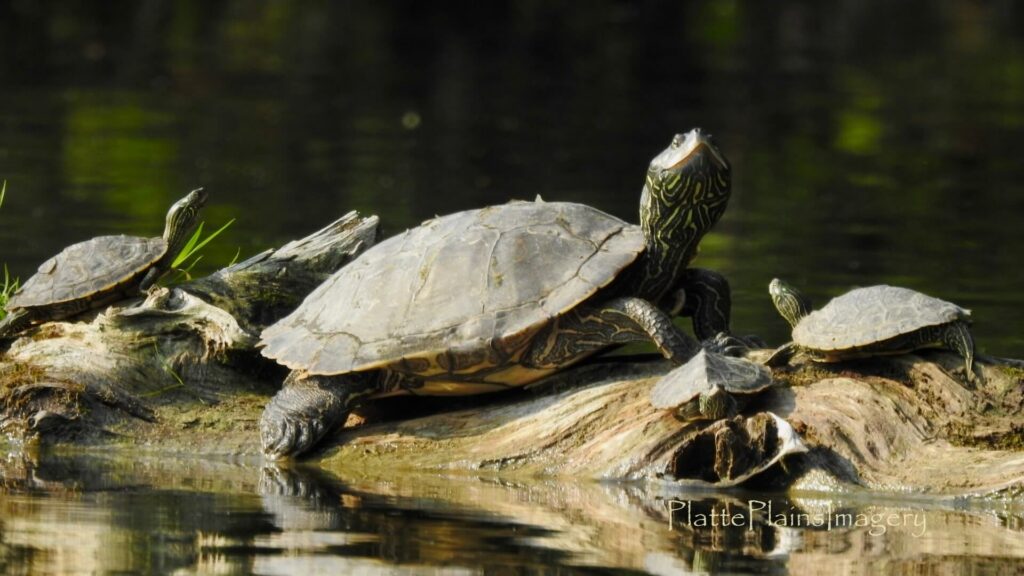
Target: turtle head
[
  {"x": 790, "y": 302},
  {"x": 182, "y": 220},
  {"x": 686, "y": 191},
  {"x": 716, "y": 404}
]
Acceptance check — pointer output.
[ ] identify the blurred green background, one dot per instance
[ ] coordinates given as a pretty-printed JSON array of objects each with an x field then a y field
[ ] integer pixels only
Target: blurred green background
[{"x": 871, "y": 141}]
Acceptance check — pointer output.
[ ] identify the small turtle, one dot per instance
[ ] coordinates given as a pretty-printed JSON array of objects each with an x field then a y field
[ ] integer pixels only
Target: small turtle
[
  {"x": 708, "y": 386},
  {"x": 501, "y": 297},
  {"x": 870, "y": 321},
  {"x": 91, "y": 274}
]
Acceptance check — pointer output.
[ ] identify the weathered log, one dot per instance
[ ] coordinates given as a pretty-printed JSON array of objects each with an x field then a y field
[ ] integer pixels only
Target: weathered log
[
  {"x": 190, "y": 345},
  {"x": 899, "y": 424},
  {"x": 179, "y": 371}
]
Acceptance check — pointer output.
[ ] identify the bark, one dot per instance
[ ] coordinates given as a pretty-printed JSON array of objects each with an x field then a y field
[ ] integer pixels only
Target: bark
[
  {"x": 901, "y": 424},
  {"x": 179, "y": 371},
  {"x": 180, "y": 348}
]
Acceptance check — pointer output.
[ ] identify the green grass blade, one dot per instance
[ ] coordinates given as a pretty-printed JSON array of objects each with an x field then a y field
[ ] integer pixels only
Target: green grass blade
[
  {"x": 3, "y": 192},
  {"x": 189, "y": 247},
  {"x": 195, "y": 243},
  {"x": 188, "y": 269},
  {"x": 213, "y": 235},
  {"x": 10, "y": 286}
]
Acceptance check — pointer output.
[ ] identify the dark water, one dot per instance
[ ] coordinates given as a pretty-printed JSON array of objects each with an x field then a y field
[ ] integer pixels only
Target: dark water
[
  {"x": 139, "y": 514},
  {"x": 871, "y": 142}
]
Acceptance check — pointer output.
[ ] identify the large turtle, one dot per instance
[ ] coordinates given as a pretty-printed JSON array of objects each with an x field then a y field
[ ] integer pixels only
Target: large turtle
[
  {"x": 102, "y": 270},
  {"x": 489, "y": 299},
  {"x": 870, "y": 321},
  {"x": 709, "y": 387}
]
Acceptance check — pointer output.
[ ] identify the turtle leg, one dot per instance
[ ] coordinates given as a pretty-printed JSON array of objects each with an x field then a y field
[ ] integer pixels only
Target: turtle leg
[
  {"x": 707, "y": 301},
  {"x": 15, "y": 322},
  {"x": 956, "y": 336},
  {"x": 308, "y": 407},
  {"x": 587, "y": 329},
  {"x": 782, "y": 355},
  {"x": 152, "y": 275}
]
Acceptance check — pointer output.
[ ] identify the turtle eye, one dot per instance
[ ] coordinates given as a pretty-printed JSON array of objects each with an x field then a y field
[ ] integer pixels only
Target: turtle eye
[{"x": 677, "y": 140}]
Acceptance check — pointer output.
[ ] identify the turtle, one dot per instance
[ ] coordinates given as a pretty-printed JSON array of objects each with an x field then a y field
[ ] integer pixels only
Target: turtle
[
  {"x": 500, "y": 297},
  {"x": 708, "y": 385},
  {"x": 870, "y": 321},
  {"x": 96, "y": 272}
]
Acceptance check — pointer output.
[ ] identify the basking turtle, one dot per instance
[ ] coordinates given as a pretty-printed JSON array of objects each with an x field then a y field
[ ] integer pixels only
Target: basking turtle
[
  {"x": 500, "y": 297},
  {"x": 870, "y": 321},
  {"x": 102, "y": 270},
  {"x": 707, "y": 387}
]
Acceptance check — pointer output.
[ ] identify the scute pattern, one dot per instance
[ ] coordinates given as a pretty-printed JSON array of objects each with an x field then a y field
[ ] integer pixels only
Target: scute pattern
[
  {"x": 462, "y": 283},
  {"x": 702, "y": 372},
  {"x": 86, "y": 268},
  {"x": 874, "y": 314}
]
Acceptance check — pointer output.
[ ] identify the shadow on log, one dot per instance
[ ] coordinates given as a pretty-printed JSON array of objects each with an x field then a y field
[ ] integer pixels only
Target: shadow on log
[
  {"x": 900, "y": 424},
  {"x": 178, "y": 371}
]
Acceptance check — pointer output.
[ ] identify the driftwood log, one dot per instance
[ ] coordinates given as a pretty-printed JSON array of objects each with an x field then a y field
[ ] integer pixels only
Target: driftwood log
[
  {"x": 178, "y": 371},
  {"x": 164, "y": 359},
  {"x": 901, "y": 424}
]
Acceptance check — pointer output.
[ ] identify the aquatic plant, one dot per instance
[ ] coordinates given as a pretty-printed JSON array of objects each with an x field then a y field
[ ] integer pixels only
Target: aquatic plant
[
  {"x": 7, "y": 288},
  {"x": 10, "y": 285},
  {"x": 190, "y": 256}
]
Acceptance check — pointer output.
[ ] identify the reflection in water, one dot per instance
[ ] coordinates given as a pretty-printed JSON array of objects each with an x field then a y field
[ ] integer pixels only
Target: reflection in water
[
  {"x": 88, "y": 514},
  {"x": 871, "y": 142}
]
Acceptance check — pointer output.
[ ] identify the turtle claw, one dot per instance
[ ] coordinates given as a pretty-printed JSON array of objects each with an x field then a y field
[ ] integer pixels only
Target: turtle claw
[
  {"x": 285, "y": 435},
  {"x": 298, "y": 417}
]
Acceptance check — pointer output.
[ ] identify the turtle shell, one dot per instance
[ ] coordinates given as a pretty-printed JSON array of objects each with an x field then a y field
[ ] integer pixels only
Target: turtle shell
[
  {"x": 88, "y": 270},
  {"x": 456, "y": 294},
  {"x": 866, "y": 316},
  {"x": 704, "y": 371}
]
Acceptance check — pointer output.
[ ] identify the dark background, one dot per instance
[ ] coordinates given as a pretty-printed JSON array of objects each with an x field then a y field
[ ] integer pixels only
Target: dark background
[{"x": 871, "y": 141}]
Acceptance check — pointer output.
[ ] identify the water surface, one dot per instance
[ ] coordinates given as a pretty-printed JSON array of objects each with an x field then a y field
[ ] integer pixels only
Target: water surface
[
  {"x": 89, "y": 514},
  {"x": 870, "y": 141}
]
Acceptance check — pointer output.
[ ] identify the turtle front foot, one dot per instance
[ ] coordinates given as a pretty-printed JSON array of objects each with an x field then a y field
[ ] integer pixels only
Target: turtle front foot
[
  {"x": 732, "y": 345},
  {"x": 285, "y": 434},
  {"x": 299, "y": 416}
]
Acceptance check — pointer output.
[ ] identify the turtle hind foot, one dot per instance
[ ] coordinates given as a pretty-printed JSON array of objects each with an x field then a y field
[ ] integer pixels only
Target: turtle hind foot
[{"x": 300, "y": 415}]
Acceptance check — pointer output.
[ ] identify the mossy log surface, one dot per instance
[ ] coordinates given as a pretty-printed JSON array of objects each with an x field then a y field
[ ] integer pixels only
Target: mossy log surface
[
  {"x": 178, "y": 372},
  {"x": 903, "y": 424},
  {"x": 182, "y": 359}
]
